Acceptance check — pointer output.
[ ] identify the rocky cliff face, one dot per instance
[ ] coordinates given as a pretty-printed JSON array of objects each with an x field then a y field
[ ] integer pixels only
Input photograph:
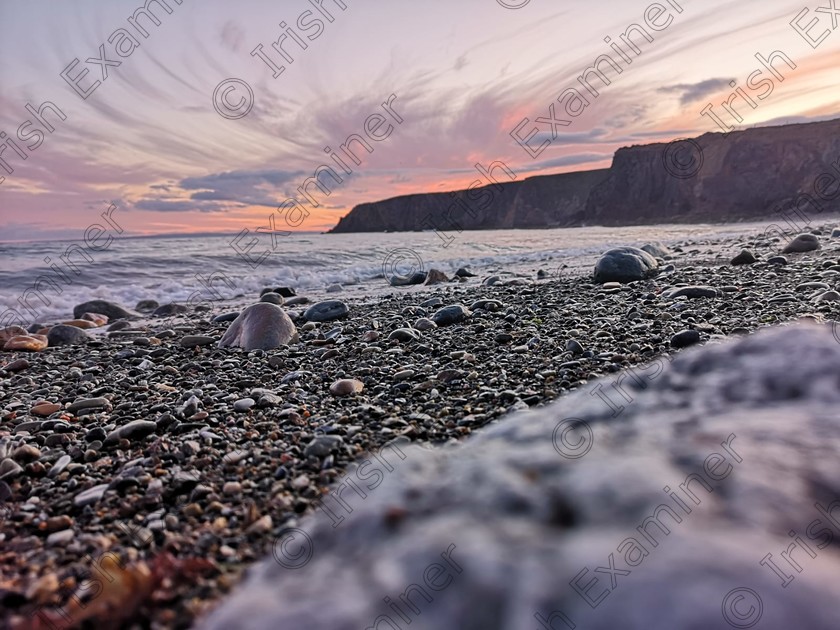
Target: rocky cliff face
[{"x": 744, "y": 175}]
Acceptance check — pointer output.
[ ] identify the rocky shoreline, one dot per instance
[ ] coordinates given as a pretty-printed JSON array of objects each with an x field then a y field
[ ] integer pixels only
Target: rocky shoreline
[{"x": 142, "y": 469}]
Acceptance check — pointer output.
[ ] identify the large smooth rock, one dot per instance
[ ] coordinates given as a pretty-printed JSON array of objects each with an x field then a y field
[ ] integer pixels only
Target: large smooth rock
[
  {"x": 803, "y": 243},
  {"x": 491, "y": 534},
  {"x": 64, "y": 335},
  {"x": 103, "y": 307},
  {"x": 625, "y": 264},
  {"x": 261, "y": 326}
]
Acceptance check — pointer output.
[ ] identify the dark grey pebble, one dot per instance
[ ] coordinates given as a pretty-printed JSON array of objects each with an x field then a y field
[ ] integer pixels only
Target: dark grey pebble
[
  {"x": 326, "y": 311},
  {"x": 685, "y": 338},
  {"x": 322, "y": 445},
  {"x": 625, "y": 264},
  {"x": 693, "y": 292},
  {"x": 146, "y": 306},
  {"x": 190, "y": 341},
  {"x": 746, "y": 257},
  {"x": 285, "y": 292},
  {"x": 134, "y": 430},
  {"x": 450, "y": 315},
  {"x": 272, "y": 298},
  {"x": 103, "y": 307},
  {"x": 404, "y": 335},
  {"x": 226, "y": 317},
  {"x": 59, "y": 466},
  {"x": 88, "y": 403},
  {"x": 802, "y": 243},
  {"x": 90, "y": 496},
  {"x": 62, "y": 335},
  {"x": 167, "y": 310}
]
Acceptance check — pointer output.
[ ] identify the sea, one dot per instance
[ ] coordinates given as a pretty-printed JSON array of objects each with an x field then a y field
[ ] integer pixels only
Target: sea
[{"x": 171, "y": 268}]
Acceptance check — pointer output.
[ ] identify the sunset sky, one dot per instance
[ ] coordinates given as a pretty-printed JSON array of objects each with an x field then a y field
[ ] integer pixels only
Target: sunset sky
[{"x": 464, "y": 73}]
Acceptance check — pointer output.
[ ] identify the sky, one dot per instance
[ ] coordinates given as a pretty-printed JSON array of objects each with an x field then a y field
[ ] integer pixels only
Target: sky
[{"x": 187, "y": 132}]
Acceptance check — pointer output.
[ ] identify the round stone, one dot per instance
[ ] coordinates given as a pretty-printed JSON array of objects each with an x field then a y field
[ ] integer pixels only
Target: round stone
[
  {"x": 326, "y": 311},
  {"x": 625, "y": 264},
  {"x": 261, "y": 326},
  {"x": 449, "y": 315},
  {"x": 802, "y": 243},
  {"x": 346, "y": 387},
  {"x": 685, "y": 338}
]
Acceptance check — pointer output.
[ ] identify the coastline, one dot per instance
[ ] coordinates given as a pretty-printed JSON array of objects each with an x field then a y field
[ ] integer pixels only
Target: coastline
[{"x": 204, "y": 476}]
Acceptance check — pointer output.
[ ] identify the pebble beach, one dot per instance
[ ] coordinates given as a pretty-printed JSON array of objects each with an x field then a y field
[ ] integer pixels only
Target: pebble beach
[{"x": 144, "y": 467}]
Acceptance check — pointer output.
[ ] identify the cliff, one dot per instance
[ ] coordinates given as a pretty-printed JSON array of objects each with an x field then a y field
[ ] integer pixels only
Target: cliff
[{"x": 745, "y": 175}]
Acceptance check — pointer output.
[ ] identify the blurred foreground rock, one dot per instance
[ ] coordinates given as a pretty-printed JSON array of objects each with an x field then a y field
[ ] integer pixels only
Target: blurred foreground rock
[{"x": 653, "y": 511}]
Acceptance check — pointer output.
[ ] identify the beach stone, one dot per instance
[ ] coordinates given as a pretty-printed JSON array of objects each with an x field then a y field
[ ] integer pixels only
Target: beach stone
[
  {"x": 272, "y": 298},
  {"x": 244, "y": 404},
  {"x": 45, "y": 409},
  {"x": 835, "y": 233},
  {"x": 9, "y": 469},
  {"x": 802, "y": 243},
  {"x": 326, "y": 311},
  {"x": 146, "y": 306},
  {"x": 226, "y": 317},
  {"x": 323, "y": 445},
  {"x": 777, "y": 260},
  {"x": 296, "y": 300},
  {"x": 60, "y": 538},
  {"x": 693, "y": 292},
  {"x": 625, "y": 264},
  {"x": 574, "y": 346},
  {"x": 828, "y": 296},
  {"x": 88, "y": 403},
  {"x": 656, "y": 249},
  {"x": 260, "y": 326},
  {"x": 17, "y": 365},
  {"x": 685, "y": 338},
  {"x": 418, "y": 277},
  {"x": 168, "y": 310},
  {"x": 96, "y": 318},
  {"x": 436, "y": 276},
  {"x": 487, "y": 305},
  {"x": 346, "y": 387},
  {"x": 103, "y": 307},
  {"x": 463, "y": 272},
  {"x": 404, "y": 335},
  {"x": 746, "y": 257},
  {"x": 334, "y": 288},
  {"x": 449, "y": 315},
  {"x": 190, "y": 341},
  {"x": 62, "y": 335},
  {"x": 26, "y": 343},
  {"x": 285, "y": 292},
  {"x": 59, "y": 466},
  {"x": 13, "y": 331},
  {"x": 90, "y": 496},
  {"x": 79, "y": 323},
  {"x": 26, "y": 453},
  {"x": 424, "y": 323},
  {"x": 519, "y": 501},
  {"x": 134, "y": 430}
]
